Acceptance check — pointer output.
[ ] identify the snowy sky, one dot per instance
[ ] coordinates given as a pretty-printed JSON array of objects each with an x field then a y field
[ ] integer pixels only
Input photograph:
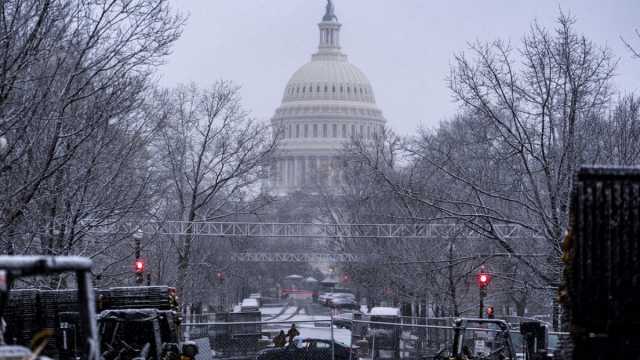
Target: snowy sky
[{"x": 404, "y": 46}]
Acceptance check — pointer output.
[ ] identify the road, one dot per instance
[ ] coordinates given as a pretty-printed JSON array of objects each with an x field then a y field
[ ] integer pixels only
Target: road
[{"x": 312, "y": 320}]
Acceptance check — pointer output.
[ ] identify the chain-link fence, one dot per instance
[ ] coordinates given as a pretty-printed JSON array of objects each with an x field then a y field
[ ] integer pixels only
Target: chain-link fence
[
  {"x": 254, "y": 335},
  {"x": 398, "y": 337},
  {"x": 247, "y": 336},
  {"x": 231, "y": 338}
]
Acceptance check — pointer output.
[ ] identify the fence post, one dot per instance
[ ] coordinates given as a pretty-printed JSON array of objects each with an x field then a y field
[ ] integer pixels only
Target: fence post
[
  {"x": 186, "y": 317},
  {"x": 333, "y": 342},
  {"x": 373, "y": 346}
]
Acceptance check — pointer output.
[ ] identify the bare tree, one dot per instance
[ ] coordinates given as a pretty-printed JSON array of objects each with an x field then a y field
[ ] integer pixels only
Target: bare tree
[
  {"x": 534, "y": 114},
  {"x": 634, "y": 50},
  {"x": 71, "y": 73},
  {"x": 528, "y": 118},
  {"x": 214, "y": 157}
]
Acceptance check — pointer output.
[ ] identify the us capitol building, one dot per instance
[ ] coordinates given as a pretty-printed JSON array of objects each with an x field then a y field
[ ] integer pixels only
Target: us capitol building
[{"x": 325, "y": 103}]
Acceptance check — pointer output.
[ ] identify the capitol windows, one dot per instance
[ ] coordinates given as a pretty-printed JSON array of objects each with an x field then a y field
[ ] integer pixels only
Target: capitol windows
[
  {"x": 306, "y": 130},
  {"x": 297, "y": 130},
  {"x": 344, "y": 130},
  {"x": 335, "y": 130},
  {"x": 318, "y": 89},
  {"x": 326, "y": 88},
  {"x": 361, "y": 130},
  {"x": 341, "y": 89},
  {"x": 334, "y": 88},
  {"x": 368, "y": 132},
  {"x": 315, "y": 130},
  {"x": 325, "y": 130},
  {"x": 353, "y": 130},
  {"x": 289, "y": 132}
]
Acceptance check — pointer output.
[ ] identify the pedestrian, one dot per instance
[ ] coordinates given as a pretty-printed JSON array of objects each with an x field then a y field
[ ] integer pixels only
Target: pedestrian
[
  {"x": 293, "y": 332},
  {"x": 280, "y": 340}
]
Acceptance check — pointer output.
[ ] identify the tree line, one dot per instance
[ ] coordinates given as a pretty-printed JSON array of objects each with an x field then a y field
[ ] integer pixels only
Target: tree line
[
  {"x": 88, "y": 139},
  {"x": 529, "y": 115}
]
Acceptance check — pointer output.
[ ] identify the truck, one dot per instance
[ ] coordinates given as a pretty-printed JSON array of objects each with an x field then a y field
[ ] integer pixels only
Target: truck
[
  {"x": 141, "y": 322},
  {"x": 601, "y": 252},
  {"x": 29, "y": 337}
]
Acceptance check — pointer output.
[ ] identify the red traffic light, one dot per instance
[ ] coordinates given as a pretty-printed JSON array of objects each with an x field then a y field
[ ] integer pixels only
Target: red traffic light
[
  {"x": 220, "y": 276},
  {"x": 345, "y": 278},
  {"x": 483, "y": 278},
  {"x": 139, "y": 266}
]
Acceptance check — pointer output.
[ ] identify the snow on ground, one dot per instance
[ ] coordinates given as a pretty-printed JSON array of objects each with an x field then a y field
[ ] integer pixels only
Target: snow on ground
[{"x": 271, "y": 310}]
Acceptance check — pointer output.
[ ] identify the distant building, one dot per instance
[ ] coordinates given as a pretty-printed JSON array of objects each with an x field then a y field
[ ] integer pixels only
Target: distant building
[{"x": 326, "y": 102}]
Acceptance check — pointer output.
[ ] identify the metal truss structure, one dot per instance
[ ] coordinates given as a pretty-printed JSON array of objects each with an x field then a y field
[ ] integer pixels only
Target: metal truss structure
[
  {"x": 297, "y": 258},
  {"x": 305, "y": 230}
]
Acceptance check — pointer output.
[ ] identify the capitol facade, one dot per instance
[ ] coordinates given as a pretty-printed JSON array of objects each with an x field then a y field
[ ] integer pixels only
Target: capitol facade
[{"x": 326, "y": 103}]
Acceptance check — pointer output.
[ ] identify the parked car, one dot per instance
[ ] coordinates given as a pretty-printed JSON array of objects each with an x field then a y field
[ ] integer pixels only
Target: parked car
[
  {"x": 324, "y": 298},
  {"x": 307, "y": 349},
  {"x": 343, "y": 302}
]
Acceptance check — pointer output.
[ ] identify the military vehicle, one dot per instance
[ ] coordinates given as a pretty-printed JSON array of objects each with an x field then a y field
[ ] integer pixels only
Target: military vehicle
[{"x": 28, "y": 338}]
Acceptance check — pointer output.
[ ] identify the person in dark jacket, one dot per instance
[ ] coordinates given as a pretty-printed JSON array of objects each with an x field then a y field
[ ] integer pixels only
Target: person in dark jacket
[
  {"x": 293, "y": 332},
  {"x": 280, "y": 340}
]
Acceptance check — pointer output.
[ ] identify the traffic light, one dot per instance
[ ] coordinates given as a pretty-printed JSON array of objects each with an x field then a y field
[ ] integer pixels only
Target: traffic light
[
  {"x": 483, "y": 278},
  {"x": 490, "y": 312},
  {"x": 220, "y": 277},
  {"x": 139, "y": 266},
  {"x": 346, "y": 278}
]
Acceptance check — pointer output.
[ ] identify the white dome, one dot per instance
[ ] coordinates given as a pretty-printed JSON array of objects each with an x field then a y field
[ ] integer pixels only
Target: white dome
[
  {"x": 326, "y": 102},
  {"x": 330, "y": 78}
]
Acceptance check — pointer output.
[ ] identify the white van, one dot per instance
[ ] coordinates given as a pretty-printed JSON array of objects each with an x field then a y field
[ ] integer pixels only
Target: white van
[{"x": 249, "y": 305}]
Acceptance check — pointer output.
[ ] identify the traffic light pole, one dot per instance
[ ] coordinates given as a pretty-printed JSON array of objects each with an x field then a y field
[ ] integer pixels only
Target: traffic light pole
[
  {"x": 139, "y": 273},
  {"x": 483, "y": 293}
]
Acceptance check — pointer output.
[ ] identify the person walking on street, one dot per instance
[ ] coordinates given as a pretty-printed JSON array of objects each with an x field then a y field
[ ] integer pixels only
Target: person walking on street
[
  {"x": 293, "y": 332},
  {"x": 280, "y": 340}
]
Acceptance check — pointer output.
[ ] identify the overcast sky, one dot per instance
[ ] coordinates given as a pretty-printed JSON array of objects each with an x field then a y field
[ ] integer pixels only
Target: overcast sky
[{"x": 404, "y": 46}]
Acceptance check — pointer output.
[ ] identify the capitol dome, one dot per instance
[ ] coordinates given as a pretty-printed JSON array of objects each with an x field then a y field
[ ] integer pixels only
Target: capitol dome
[
  {"x": 321, "y": 79},
  {"x": 325, "y": 103}
]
